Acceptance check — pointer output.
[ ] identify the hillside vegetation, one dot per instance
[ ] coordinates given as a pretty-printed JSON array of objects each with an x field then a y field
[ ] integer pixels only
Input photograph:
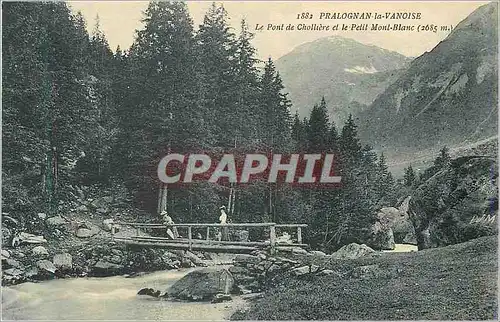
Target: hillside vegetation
[{"x": 453, "y": 282}]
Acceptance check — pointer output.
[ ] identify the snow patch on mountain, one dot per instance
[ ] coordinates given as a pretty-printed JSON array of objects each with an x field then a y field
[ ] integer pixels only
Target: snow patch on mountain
[{"x": 361, "y": 70}]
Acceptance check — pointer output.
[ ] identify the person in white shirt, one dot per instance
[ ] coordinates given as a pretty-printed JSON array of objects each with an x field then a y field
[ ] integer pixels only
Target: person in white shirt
[
  {"x": 223, "y": 221},
  {"x": 167, "y": 221},
  {"x": 223, "y": 215}
]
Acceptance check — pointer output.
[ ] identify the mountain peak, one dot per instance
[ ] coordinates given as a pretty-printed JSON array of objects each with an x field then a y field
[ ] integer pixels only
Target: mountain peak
[
  {"x": 341, "y": 69},
  {"x": 446, "y": 96}
]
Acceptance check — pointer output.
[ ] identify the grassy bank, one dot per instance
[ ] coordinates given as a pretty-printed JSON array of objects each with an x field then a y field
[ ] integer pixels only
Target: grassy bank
[{"x": 454, "y": 282}]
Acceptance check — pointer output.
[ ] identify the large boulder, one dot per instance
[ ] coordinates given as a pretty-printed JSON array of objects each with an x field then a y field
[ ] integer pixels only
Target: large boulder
[
  {"x": 203, "y": 285},
  {"x": 39, "y": 251},
  {"x": 63, "y": 261},
  {"x": 87, "y": 230},
  {"x": 105, "y": 268},
  {"x": 31, "y": 239},
  {"x": 6, "y": 236},
  {"x": 382, "y": 237},
  {"x": 107, "y": 224},
  {"x": 443, "y": 209},
  {"x": 55, "y": 221},
  {"x": 46, "y": 266},
  {"x": 352, "y": 251},
  {"x": 398, "y": 221}
]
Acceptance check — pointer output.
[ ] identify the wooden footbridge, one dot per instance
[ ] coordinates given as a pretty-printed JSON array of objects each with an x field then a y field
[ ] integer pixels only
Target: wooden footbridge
[{"x": 208, "y": 243}]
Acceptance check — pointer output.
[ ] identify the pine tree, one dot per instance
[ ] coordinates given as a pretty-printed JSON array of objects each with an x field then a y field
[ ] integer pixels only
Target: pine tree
[
  {"x": 350, "y": 147},
  {"x": 216, "y": 48},
  {"x": 443, "y": 160},
  {"x": 409, "y": 176},
  {"x": 385, "y": 184},
  {"x": 318, "y": 129},
  {"x": 274, "y": 111},
  {"x": 246, "y": 90}
]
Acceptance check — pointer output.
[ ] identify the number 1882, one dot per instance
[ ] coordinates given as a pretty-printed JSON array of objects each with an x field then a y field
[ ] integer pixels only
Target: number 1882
[{"x": 304, "y": 15}]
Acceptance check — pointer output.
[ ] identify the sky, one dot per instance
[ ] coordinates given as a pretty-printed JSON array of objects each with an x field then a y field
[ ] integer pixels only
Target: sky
[{"x": 120, "y": 19}]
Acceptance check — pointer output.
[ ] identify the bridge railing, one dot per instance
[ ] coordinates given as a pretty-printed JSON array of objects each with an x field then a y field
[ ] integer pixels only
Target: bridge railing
[{"x": 272, "y": 243}]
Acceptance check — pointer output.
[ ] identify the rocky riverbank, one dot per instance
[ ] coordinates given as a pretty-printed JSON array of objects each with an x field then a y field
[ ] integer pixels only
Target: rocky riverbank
[{"x": 77, "y": 241}]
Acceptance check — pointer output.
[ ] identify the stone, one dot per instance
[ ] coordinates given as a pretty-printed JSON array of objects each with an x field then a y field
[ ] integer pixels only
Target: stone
[
  {"x": 10, "y": 262},
  {"x": 13, "y": 272},
  {"x": 238, "y": 270},
  {"x": 63, "y": 261},
  {"x": 247, "y": 259},
  {"x": 107, "y": 199},
  {"x": 46, "y": 266},
  {"x": 5, "y": 253},
  {"x": 195, "y": 259},
  {"x": 170, "y": 255},
  {"x": 243, "y": 290},
  {"x": 398, "y": 220},
  {"x": 102, "y": 211},
  {"x": 202, "y": 285},
  {"x": 6, "y": 235},
  {"x": 86, "y": 232},
  {"x": 107, "y": 224},
  {"x": 115, "y": 259},
  {"x": 39, "y": 251},
  {"x": 116, "y": 252},
  {"x": 104, "y": 268},
  {"x": 42, "y": 215},
  {"x": 149, "y": 292},
  {"x": 82, "y": 208},
  {"x": 382, "y": 237},
  {"x": 299, "y": 271},
  {"x": 286, "y": 260},
  {"x": 219, "y": 298},
  {"x": 298, "y": 250},
  {"x": 352, "y": 251},
  {"x": 55, "y": 221},
  {"x": 326, "y": 272},
  {"x": 27, "y": 238},
  {"x": 317, "y": 253},
  {"x": 32, "y": 271},
  {"x": 186, "y": 263}
]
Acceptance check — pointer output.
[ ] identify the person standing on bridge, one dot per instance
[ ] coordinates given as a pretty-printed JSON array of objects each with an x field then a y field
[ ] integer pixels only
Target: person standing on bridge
[
  {"x": 167, "y": 221},
  {"x": 223, "y": 221}
]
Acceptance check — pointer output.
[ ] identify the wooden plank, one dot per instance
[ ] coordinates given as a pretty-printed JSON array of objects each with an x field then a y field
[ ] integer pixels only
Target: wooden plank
[
  {"x": 284, "y": 245},
  {"x": 290, "y": 225},
  {"x": 214, "y": 248},
  {"x": 190, "y": 238},
  {"x": 272, "y": 239},
  {"x": 200, "y": 241},
  {"x": 197, "y": 225}
]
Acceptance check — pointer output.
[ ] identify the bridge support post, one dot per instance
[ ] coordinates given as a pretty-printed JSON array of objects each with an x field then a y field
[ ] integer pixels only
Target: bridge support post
[
  {"x": 272, "y": 239},
  {"x": 208, "y": 233},
  {"x": 190, "y": 238},
  {"x": 112, "y": 232},
  {"x": 299, "y": 235}
]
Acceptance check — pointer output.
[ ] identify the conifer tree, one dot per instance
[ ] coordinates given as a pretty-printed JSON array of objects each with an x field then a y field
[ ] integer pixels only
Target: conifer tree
[{"x": 409, "y": 176}]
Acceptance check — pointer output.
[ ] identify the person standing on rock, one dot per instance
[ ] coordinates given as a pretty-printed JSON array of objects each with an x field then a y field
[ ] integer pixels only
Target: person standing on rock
[
  {"x": 223, "y": 221},
  {"x": 167, "y": 221}
]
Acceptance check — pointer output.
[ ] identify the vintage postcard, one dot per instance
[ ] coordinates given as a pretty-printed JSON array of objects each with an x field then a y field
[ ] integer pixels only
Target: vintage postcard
[{"x": 249, "y": 160}]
